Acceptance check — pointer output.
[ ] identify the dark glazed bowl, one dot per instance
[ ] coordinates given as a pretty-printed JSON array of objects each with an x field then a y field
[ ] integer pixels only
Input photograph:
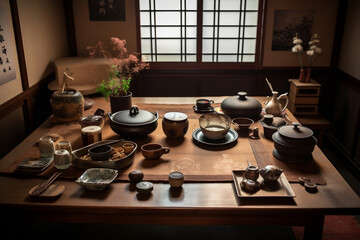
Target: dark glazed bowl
[
  {"x": 100, "y": 153},
  {"x": 242, "y": 124}
]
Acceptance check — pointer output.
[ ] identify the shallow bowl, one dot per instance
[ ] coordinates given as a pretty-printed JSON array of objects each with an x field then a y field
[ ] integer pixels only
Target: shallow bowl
[{"x": 97, "y": 178}]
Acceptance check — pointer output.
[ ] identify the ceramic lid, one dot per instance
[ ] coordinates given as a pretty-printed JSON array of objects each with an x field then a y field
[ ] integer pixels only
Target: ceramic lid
[
  {"x": 241, "y": 106},
  {"x": 175, "y": 116},
  {"x": 295, "y": 131},
  {"x": 133, "y": 116}
]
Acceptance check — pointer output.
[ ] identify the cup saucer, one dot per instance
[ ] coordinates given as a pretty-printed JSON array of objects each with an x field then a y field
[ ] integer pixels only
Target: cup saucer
[{"x": 207, "y": 110}]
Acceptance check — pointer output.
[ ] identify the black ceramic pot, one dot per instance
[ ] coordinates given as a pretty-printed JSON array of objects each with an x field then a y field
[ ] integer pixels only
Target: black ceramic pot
[
  {"x": 133, "y": 122},
  {"x": 294, "y": 143},
  {"x": 242, "y": 106}
]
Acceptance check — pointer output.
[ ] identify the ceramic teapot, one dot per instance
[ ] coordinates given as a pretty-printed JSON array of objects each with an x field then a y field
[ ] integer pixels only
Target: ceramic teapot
[
  {"x": 270, "y": 173},
  {"x": 273, "y": 105}
]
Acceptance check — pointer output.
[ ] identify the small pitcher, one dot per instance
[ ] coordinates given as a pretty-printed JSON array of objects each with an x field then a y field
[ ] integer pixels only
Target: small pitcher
[{"x": 273, "y": 105}]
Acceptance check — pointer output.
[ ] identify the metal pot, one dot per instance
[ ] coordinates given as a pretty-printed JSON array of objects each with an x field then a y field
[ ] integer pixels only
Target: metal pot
[
  {"x": 294, "y": 143},
  {"x": 133, "y": 122},
  {"x": 241, "y": 106}
]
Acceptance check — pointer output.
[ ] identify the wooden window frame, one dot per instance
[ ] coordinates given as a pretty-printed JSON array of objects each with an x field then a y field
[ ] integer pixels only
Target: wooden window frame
[{"x": 199, "y": 65}]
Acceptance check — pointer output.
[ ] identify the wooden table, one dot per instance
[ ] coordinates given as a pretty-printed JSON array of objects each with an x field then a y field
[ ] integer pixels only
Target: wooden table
[{"x": 197, "y": 203}]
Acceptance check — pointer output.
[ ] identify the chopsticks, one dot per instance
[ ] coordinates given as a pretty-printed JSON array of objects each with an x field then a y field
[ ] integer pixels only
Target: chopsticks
[{"x": 41, "y": 188}]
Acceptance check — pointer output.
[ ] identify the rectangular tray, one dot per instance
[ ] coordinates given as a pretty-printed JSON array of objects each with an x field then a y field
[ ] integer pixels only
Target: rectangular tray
[{"x": 281, "y": 189}]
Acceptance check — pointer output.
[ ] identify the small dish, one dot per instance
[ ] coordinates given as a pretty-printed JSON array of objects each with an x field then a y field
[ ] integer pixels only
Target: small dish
[
  {"x": 97, "y": 178},
  {"x": 208, "y": 110},
  {"x": 230, "y": 137}
]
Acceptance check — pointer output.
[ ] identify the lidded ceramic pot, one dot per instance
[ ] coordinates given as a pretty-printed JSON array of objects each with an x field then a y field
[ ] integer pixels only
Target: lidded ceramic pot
[
  {"x": 241, "y": 106},
  {"x": 175, "y": 124},
  {"x": 133, "y": 122},
  {"x": 294, "y": 143}
]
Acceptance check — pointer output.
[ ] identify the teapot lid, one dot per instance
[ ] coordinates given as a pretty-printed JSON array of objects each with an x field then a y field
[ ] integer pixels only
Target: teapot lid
[
  {"x": 295, "y": 131},
  {"x": 134, "y": 116}
]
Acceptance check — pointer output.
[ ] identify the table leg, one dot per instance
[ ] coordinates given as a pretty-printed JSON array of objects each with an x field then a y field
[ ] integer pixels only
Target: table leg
[{"x": 314, "y": 229}]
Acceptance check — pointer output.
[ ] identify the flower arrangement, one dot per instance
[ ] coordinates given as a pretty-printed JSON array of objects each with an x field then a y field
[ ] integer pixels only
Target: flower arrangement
[
  {"x": 314, "y": 49},
  {"x": 312, "y": 52},
  {"x": 123, "y": 67}
]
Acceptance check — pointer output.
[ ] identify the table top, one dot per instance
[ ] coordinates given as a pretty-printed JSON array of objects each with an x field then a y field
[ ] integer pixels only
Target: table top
[{"x": 207, "y": 203}]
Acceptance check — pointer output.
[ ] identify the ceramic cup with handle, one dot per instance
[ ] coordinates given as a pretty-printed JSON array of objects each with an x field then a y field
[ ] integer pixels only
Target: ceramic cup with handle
[
  {"x": 203, "y": 104},
  {"x": 153, "y": 151}
]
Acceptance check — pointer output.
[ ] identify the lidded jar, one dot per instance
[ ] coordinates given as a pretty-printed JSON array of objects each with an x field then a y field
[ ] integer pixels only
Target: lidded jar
[
  {"x": 175, "y": 124},
  {"x": 294, "y": 143},
  {"x": 241, "y": 106}
]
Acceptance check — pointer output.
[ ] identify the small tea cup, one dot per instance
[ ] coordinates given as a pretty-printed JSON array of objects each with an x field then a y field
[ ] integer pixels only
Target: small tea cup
[
  {"x": 128, "y": 147},
  {"x": 203, "y": 104},
  {"x": 153, "y": 151}
]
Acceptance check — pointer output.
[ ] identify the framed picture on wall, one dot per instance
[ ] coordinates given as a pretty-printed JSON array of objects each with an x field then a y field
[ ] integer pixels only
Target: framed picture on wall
[
  {"x": 284, "y": 19},
  {"x": 288, "y": 23},
  {"x": 107, "y": 10}
]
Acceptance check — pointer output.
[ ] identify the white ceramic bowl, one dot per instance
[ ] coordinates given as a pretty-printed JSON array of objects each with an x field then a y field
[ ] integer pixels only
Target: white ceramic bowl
[{"x": 97, "y": 178}]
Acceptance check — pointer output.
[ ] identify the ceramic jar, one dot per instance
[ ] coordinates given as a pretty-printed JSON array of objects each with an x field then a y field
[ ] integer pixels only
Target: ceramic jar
[
  {"x": 62, "y": 159},
  {"x": 242, "y": 106},
  {"x": 67, "y": 106},
  {"x": 175, "y": 124},
  {"x": 294, "y": 143},
  {"x": 46, "y": 147}
]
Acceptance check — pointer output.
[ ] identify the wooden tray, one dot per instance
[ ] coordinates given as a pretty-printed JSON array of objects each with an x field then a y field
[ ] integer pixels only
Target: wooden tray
[
  {"x": 281, "y": 189},
  {"x": 113, "y": 164}
]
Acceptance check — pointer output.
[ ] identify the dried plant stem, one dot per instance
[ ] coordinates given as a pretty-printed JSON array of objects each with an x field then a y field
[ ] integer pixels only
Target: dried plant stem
[{"x": 271, "y": 89}]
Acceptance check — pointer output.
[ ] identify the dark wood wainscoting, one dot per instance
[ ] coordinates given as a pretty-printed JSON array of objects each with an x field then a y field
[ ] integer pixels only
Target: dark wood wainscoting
[
  {"x": 344, "y": 136},
  {"x": 32, "y": 105}
]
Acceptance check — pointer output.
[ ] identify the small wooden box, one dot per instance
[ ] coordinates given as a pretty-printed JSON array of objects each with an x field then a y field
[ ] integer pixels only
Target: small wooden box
[
  {"x": 304, "y": 97},
  {"x": 303, "y": 109},
  {"x": 300, "y": 89}
]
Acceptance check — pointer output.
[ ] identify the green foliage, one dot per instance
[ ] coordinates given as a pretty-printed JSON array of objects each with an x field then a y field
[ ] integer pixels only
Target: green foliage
[{"x": 115, "y": 85}]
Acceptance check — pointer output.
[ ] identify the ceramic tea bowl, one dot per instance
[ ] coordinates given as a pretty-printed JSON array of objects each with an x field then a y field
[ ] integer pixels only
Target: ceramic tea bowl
[
  {"x": 100, "y": 153},
  {"x": 242, "y": 124},
  {"x": 214, "y": 126}
]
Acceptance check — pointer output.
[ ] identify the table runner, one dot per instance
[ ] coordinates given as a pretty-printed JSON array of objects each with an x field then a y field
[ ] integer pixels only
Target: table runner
[{"x": 198, "y": 162}]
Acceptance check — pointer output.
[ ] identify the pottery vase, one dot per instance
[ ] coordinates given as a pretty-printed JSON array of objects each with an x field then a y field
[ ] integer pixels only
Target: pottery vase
[
  {"x": 119, "y": 103},
  {"x": 302, "y": 75},
  {"x": 308, "y": 75},
  {"x": 67, "y": 105}
]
